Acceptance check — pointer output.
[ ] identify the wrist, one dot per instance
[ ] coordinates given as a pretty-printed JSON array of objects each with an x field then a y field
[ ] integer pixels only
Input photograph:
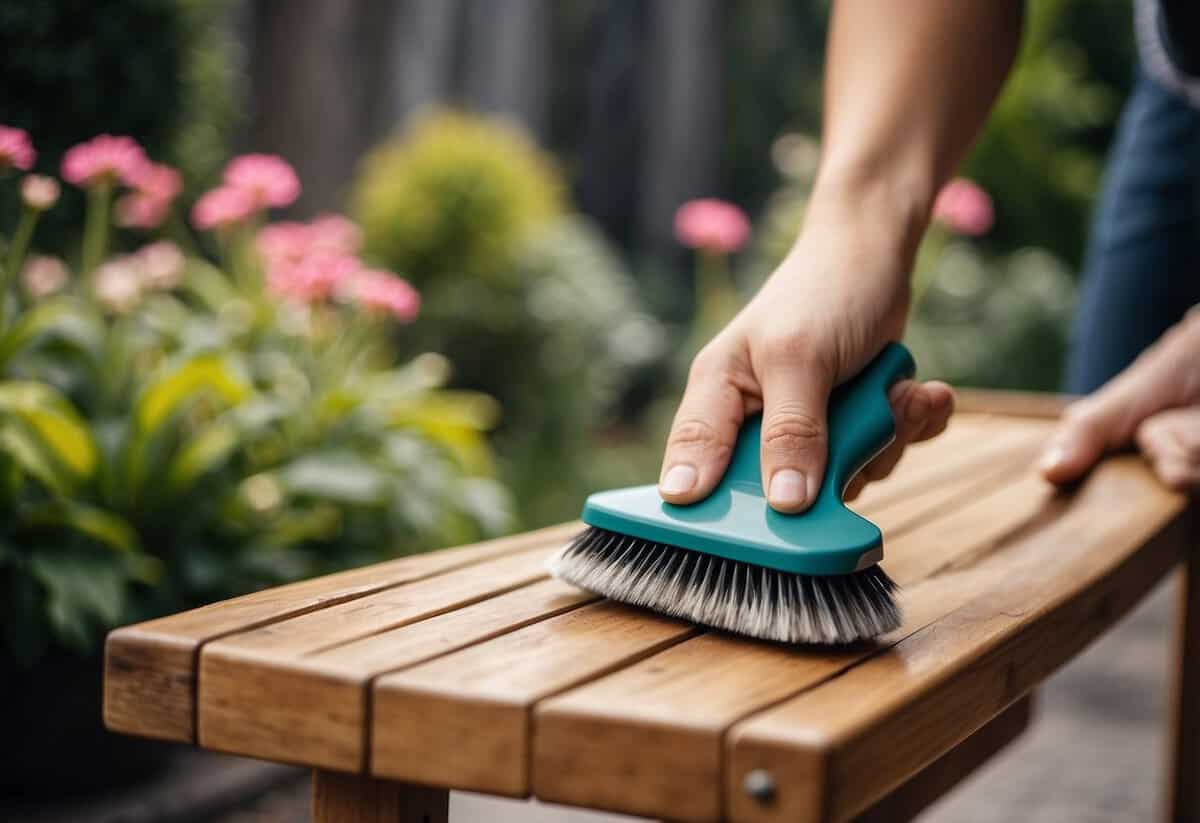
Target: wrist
[{"x": 894, "y": 206}]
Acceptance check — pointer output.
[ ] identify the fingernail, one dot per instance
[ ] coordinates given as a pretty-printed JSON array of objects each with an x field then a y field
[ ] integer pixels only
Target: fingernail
[
  {"x": 1052, "y": 457},
  {"x": 679, "y": 479},
  {"x": 787, "y": 488}
]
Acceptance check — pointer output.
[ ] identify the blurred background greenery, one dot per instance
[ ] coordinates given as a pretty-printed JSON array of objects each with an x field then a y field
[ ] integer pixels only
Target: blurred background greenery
[{"x": 520, "y": 162}]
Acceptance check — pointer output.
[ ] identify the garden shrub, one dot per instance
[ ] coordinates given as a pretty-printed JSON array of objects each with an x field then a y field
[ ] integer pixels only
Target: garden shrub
[{"x": 528, "y": 301}]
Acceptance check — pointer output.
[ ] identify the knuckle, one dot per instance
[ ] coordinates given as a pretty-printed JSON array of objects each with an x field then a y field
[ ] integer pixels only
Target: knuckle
[
  {"x": 792, "y": 430},
  {"x": 706, "y": 364},
  {"x": 793, "y": 347},
  {"x": 694, "y": 432}
]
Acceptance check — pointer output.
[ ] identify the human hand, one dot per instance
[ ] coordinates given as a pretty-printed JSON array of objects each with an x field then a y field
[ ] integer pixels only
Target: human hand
[
  {"x": 1154, "y": 403},
  {"x": 829, "y": 308}
]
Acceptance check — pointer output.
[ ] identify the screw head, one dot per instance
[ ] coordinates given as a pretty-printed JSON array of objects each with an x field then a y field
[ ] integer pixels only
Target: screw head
[{"x": 760, "y": 785}]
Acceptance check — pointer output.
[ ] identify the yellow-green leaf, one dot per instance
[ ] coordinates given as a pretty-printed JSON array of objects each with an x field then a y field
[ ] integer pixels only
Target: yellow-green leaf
[
  {"x": 53, "y": 420},
  {"x": 201, "y": 454},
  {"x": 203, "y": 373},
  {"x": 100, "y": 525}
]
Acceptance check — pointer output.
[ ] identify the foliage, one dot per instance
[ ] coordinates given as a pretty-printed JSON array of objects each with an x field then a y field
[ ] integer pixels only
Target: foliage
[
  {"x": 203, "y": 435},
  {"x": 530, "y": 303},
  {"x": 167, "y": 62},
  {"x": 1042, "y": 153},
  {"x": 454, "y": 194}
]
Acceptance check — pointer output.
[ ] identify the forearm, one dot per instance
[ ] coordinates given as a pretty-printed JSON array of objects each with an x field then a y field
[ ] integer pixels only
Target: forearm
[{"x": 908, "y": 86}]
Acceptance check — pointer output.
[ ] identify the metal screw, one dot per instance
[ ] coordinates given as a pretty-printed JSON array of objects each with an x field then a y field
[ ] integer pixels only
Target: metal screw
[{"x": 760, "y": 785}]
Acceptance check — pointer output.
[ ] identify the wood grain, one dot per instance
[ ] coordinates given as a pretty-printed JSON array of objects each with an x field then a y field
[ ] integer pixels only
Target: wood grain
[
  {"x": 463, "y": 720},
  {"x": 619, "y": 743},
  {"x": 313, "y": 708},
  {"x": 928, "y": 786},
  {"x": 1183, "y": 788},
  {"x": 351, "y": 798},
  {"x": 1021, "y": 612},
  {"x": 150, "y": 667}
]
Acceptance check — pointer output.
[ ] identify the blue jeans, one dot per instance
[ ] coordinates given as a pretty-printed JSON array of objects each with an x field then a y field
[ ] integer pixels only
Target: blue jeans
[{"x": 1141, "y": 271}]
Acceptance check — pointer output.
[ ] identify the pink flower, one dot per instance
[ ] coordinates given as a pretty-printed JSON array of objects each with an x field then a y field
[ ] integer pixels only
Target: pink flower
[
  {"x": 712, "y": 225},
  {"x": 290, "y": 242},
  {"x": 334, "y": 234},
  {"x": 39, "y": 192},
  {"x": 382, "y": 292},
  {"x": 223, "y": 207},
  {"x": 312, "y": 279},
  {"x": 44, "y": 275},
  {"x": 964, "y": 207},
  {"x": 104, "y": 159},
  {"x": 15, "y": 149},
  {"x": 160, "y": 265},
  {"x": 141, "y": 211},
  {"x": 267, "y": 177},
  {"x": 118, "y": 285},
  {"x": 148, "y": 205},
  {"x": 285, "y": 242},
  {"x": 160, "y": 181}
]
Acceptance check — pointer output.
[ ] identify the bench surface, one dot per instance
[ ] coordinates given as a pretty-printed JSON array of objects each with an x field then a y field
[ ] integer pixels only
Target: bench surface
[{"x": 470, "y": 669}]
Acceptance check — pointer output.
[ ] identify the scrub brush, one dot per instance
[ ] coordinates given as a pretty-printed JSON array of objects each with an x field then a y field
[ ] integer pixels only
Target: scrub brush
[{"x": 732, "y": 562}]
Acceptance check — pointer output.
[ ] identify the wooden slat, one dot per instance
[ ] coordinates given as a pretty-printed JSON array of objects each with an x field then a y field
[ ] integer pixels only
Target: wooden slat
[
  {"x": 978, "y": 446},
  {"x": 308, "y": 705},
  {"x": 462, "y": 720},
  {"x": 926, "y": 788},
  {"x": 150, "y": 668},
  {"x": 1020, "y": 612},
  {"x": 618, "y": 743}
]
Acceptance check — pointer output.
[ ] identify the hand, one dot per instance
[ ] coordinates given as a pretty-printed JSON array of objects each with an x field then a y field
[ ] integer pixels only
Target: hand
[
  {"x": 830, "y": 307},
  {"x": 1154, "y": 403}
]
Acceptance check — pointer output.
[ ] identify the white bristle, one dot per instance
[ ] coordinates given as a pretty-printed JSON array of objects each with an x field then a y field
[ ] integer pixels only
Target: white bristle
[{"x": 728, "y": 594}]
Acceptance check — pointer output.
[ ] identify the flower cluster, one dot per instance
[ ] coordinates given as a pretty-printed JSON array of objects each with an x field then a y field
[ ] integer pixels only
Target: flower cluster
[
  {"x": 251, "y": 183},
  {"x": 16, "y": 151},
  {"x": 318, "y": 261},
  {"x": 123, "y": 281},
  {"x": 304, "y": 263}
]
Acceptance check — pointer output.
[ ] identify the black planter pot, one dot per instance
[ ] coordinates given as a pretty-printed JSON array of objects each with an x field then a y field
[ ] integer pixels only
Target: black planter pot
[{"x": 54, "y": 741}]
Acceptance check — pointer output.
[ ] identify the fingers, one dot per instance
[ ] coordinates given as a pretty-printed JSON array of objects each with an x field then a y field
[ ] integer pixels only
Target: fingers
[
  {"x": 1163, "y": 377},
  {"x": 921, "y": 411},
  {"x": 1170, "y": 441},
  {"x": 794, "y": 434},
  {"x": 702, "y": 435}
]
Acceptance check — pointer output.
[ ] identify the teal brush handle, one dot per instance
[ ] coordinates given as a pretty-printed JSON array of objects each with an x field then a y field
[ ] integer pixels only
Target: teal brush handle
[
  {"x": 860, "y": 426},
  {"x": 735, "y": 521}
]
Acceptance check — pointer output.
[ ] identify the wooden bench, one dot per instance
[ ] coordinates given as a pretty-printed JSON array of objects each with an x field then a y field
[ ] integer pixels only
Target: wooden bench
[{"x": 469, "y": 669}]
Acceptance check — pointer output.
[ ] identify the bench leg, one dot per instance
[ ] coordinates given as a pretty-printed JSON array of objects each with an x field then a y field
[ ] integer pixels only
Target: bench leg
[
  {"x": 355, "y": 798},
  {"x": 1184, "y": 788}
]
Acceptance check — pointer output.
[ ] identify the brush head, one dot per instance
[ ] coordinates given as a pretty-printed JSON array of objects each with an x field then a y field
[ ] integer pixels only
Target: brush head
[{"x": 730, "y": 594}]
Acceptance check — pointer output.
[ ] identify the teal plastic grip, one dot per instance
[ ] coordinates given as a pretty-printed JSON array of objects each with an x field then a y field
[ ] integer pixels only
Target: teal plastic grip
[{"x": 735, "y": 520}]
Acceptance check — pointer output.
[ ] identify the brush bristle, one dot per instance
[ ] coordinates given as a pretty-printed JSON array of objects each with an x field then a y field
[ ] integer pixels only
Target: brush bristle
[{"x": 729, "y": 594}]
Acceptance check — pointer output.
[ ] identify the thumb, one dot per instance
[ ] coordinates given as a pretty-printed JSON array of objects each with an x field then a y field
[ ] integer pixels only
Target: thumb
[{"x": 794, "y": 434}]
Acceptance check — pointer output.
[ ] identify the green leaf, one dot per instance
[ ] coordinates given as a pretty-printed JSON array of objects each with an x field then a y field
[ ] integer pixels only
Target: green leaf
[
  {"x": 24, "y": 449},
  {"x": 166, "y": 393},
  {"x": 204, "y": 452},
  {"x": 338, "y": 476},
  {"x": 66, "y": 319},
  {"x": 98, "y": 524},
  {"x": 209, "y": 285},
  {"x": 82, "y": 590},
  {"x": 53, "y": 420}
]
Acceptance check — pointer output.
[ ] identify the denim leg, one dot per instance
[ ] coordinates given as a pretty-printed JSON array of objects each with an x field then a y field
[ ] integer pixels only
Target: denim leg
[{"x": 1141, "y": 271}]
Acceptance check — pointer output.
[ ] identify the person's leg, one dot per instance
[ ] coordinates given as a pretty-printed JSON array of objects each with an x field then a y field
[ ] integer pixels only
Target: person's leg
[{"x": 1142, "y": 266}]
